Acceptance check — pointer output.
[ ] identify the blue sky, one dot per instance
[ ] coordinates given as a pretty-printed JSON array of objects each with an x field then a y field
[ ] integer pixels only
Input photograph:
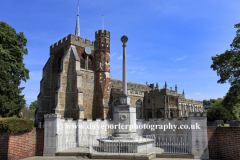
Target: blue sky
[{"x": 169, "y": 41}]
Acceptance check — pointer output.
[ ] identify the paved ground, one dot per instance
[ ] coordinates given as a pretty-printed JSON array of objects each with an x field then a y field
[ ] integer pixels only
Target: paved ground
[{"x": 84, "y": 158}]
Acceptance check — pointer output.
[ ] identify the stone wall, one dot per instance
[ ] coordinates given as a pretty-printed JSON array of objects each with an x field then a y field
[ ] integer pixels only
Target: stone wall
[
  {"x": 224, "y": 142},
  {"x": 44, "y": 99},
  {"x": 88, "y": 81},
  {"x": 56, "y": 127},
  {"x": 21, "y": 145},
  {"x": 54, "y": 82},
  {"x": 155, "y": 99}
]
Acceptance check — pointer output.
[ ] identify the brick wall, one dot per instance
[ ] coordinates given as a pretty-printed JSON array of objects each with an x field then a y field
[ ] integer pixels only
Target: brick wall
[
  {"x": 39, "y": 141},
  {"x": 21, "y": 145},
  {"x": 224, "y": 142}
]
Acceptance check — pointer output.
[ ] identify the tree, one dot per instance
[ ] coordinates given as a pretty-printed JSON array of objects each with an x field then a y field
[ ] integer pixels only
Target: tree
[
  {"x": 209, "y": 102},
  {"x": 236, "y": 111},
  {"x": 27, "y": 113},
  {"x": 230, "y": 100},
  {"x": 33, "y": 105},
  {"x": 12, "y": 70},
  {"x": 218, "y": 103},
  {"x": 218, "y": 113},
  {"x": 227, "y": 64},
  {"x": 206, "y": 103}
]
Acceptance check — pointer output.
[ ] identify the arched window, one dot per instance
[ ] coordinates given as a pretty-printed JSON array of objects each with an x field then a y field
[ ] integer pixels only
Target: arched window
[
  {"x": 89, "y": 63},
  {"x": 82, "y": 62}
]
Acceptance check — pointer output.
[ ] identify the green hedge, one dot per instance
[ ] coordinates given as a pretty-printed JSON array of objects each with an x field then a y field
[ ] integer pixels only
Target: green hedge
[{"x": 15, "y": 125}]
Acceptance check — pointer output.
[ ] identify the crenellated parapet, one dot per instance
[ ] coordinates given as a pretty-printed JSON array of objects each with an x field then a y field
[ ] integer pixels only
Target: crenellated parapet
[
  {"x": 130, "y": 92},
  {"x": 117, "y": 83},
  {"x": 135, "y": 93},
  {"x": 191, "y": 101},
  {"x": 71, "y": 40},
  {"x": 198, "y": 114},
  {"x": 102, "y": 33},
  {"x": 49, "y": 116}
]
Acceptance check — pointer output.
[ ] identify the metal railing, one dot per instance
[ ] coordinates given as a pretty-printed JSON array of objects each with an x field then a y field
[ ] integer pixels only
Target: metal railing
[
  {"x": 173, "y": 143},
  {"x": 141, "y": 145}
]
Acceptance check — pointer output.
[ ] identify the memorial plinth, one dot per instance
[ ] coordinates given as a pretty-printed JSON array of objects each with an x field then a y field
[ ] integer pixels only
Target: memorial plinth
[
  {"x": 126, "y": 146},
  {"x": 125, "y": 137},
  {"x": 125, "y": 120}
]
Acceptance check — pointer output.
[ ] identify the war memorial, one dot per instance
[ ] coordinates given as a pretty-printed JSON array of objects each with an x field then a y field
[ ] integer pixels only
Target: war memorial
[{"x": 83, "y": 110}]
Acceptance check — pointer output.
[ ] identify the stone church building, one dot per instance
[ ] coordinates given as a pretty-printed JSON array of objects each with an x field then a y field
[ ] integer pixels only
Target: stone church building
[{"x": 76, "y": 83}]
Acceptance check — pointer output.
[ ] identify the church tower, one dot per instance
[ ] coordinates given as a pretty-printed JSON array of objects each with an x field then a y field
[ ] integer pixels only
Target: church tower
[{"x": 102, "y": 73}]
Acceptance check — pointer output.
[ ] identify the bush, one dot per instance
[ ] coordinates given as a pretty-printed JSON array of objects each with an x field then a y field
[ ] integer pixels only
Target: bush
[
  {"x": 219, "y": 113},
  {"x": 15, "y": 125}
]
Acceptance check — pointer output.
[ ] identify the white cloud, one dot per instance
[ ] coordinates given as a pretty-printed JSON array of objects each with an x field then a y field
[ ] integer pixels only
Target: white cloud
[
  {"x": 197, "y": 93},
  {"x": 111, "y": 55},
  {"x": 120, "y": 57},
  {"x": 133, "y": 71},
  {"x": 179, "y": 59},
  {"x": 181, "y": 70},
  {"x": 142, "y": 68}
]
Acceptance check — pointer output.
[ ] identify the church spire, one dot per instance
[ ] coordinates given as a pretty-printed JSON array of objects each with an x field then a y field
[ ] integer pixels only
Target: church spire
[{"x": 77, "y": 30}]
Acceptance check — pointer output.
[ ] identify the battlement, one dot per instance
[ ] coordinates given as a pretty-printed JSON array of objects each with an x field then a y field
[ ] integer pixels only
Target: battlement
[
  {"x": 130, "y": 92},
  {"x": 117, "y": 83},
  {"x": 71, "y": 119},
  {"x": 71, "y": 40},
  {"x": 101, "y": 33},
  {"x": 191, "y": 101},
  {"x": 198, "y": 114}
]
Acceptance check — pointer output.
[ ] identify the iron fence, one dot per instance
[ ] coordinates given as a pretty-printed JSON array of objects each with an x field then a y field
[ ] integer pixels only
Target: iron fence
[
  {"x": 141, "y": 145},
  {"x": 173, "y": 143}
]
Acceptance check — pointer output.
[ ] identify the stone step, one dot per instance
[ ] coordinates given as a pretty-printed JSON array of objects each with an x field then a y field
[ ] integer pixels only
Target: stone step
[
  {"x": 117, "y": 156},
  {"x": 165, "y": 155},
  {"x": 73, "y": 154}
]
